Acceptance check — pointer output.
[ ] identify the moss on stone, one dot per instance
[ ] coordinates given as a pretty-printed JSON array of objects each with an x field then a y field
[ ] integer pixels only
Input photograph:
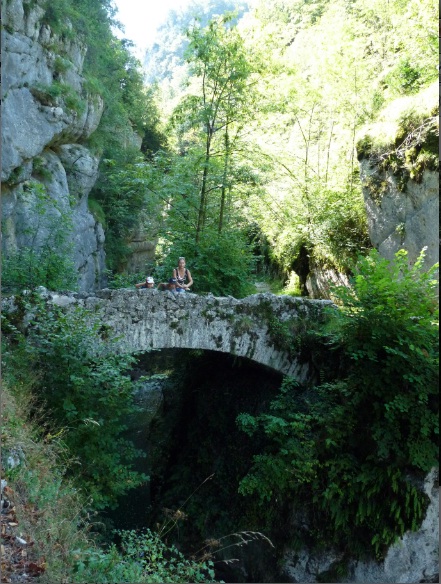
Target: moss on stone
[
  {"x": 404, "y": 143},
  {"x": 217, "y": 341},
  {"x": 365, "y": 146},
  {"x": 16, "y": 176},
  {"x": 398, "y": 120},
  {"x": 242, "y": 325},
  {"x": 97, "y": 211},
  {"x": 377, "y": 188},
  {"x": 208, "y": 315},
  {"x": 40, "y": 169},
  {"x": 417, "y": 161},
  {"x": 58, "y": 94}
]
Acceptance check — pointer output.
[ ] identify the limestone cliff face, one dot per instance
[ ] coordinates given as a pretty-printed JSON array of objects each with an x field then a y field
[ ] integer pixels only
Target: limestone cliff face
[
  {"x": 414, "y": 558},
  {"x": 399, "y": 172},
  {"x": 403, "y": 220},
  {"x": 320, "y": 280},
  {"x": 46, "y": 117}
]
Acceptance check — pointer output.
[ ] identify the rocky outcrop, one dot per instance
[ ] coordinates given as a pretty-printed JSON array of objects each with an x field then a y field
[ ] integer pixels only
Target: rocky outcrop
[
  {"x": 402, "y": 220},
  {"x": 142, "y": 251},
  {"x": 414, "y": 558},
  {"x": 46, "y": 114},
  {"x": 320, "y": 280},
  {"x": 400, "y": 179}
]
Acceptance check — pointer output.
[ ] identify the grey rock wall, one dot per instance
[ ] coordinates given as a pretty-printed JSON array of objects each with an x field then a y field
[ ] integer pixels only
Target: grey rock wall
[
  {"x": 142, "y": 251},
  {"x": 402, "y": 220},
  {"x": 320, "y": 280},
  {"x": 40, "y": 136},
  {"x": 399, "y": 176},
  {"x": 414, "y": 558}
]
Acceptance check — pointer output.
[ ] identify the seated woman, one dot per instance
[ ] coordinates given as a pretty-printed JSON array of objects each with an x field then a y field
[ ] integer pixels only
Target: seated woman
[
  {"x": 149, "y": 283},
  {"x": 183, "y": 276}
]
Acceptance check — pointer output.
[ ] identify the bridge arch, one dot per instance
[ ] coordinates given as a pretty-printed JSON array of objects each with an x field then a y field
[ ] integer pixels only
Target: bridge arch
[{"x": 149, "y": 319}]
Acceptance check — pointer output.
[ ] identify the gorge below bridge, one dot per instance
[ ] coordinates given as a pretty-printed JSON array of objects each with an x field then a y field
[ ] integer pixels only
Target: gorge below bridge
[{"x": 253, "y": 327}]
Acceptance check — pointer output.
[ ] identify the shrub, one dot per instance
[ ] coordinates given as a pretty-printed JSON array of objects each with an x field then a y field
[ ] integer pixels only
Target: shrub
[
  {"x": 219, "y": 263},
  {"x": 58, "y": 93},
  {"x": 48, "y": 259},
  {"x": 82, "y": 381},
  {"x": 49, "y": 513},
  {"x": 28, "y": 268},
  {"x": 61, "y": 65},
  {"x": 347, "y": 449},
  {"x": 143, "y": 558},
  {"x": 48, "y": 508},
  {"x": 97, "y": 211}
]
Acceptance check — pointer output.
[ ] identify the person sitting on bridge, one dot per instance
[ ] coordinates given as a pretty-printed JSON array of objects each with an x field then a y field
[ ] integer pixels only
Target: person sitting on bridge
[
  {"x": 182, "y": 274},
  {"x": 149, "y": 283},
  {"x": 170, "y": 286}
]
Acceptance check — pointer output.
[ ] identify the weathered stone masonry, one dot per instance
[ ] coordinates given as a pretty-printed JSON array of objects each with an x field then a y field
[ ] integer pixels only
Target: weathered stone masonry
[{"x": 149, "y": 319}]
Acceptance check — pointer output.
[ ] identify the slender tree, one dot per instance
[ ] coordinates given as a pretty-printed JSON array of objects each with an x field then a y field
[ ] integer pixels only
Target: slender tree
[{"x": 222, "y": 80}]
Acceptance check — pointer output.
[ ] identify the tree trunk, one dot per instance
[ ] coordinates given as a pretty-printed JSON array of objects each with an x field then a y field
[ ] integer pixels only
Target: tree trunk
[
  {"x": 203, "y": 193},
  {"x": 224, "y": 180}
]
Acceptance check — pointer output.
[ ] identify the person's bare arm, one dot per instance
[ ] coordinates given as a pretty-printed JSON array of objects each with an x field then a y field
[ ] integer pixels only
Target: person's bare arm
[{"x": 190, "y": 280}]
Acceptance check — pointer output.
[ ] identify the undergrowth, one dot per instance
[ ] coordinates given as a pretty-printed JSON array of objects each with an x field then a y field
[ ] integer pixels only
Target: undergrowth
[
  {"x": 354, "y": 450},
  {"x": 48, "y": 507},
  {"x": 51, "y": 512}
]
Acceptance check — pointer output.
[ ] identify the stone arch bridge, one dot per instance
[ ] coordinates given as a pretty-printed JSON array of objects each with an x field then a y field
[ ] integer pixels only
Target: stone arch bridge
[{"x": 251, "y": 327}]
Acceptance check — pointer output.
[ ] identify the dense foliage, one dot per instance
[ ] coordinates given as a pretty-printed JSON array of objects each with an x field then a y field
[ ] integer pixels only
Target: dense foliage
[
  {"x": 331, "y": 67},
  {"x": 191, "y": 198},
  {"x": 261, "y": 116},
  {"x": 254, "y": 140},
  {"x": 142, "y": 558},
  {"x": 347, "y": 449},
  {"x": 81, "y": 381},
  {"x": 251, "y": 119},
  {"x": 52, "y": 514},
  {"x": 319, "y": 72}
]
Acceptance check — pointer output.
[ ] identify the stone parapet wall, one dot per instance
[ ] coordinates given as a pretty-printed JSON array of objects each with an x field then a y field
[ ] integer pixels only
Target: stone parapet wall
[{"x": 149, "y": 319}]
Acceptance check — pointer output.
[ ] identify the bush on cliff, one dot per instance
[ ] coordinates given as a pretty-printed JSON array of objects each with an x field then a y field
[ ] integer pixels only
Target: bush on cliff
[
  {"x": 47, "y": 258},
  {"x": 346, "y": 449}
]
